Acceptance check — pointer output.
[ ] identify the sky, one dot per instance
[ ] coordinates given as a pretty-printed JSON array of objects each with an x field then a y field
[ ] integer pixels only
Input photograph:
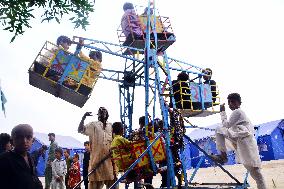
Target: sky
[{"x": 241, "y": 41}]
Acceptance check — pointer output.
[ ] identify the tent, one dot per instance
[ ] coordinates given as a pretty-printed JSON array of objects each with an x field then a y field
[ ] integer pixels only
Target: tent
[
  {"x": 271, "y": 140},
  {"x": 205, "y": 138},
  {"x": 65, "y": 142}
]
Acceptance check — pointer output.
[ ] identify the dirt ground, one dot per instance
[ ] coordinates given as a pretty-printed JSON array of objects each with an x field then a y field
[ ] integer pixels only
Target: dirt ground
[{"x": 273, "y": 173}]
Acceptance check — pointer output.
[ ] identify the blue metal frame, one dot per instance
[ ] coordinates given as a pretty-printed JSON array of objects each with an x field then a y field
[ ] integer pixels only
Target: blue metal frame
[
  {"x": 126, "y": 98},
  {"x": 139, "y": 69},
  {"x": 198, "y": 164}
]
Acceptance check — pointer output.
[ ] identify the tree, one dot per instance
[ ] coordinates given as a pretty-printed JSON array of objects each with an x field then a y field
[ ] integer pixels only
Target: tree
[{"x": 16, "y": 14}]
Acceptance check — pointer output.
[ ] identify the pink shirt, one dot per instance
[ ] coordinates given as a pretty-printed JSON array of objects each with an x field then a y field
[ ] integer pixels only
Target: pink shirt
[{"x": 130, "y": 23}]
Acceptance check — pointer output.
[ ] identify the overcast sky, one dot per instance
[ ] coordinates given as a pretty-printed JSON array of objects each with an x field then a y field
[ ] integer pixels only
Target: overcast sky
[{"x": 242, "y": 41}]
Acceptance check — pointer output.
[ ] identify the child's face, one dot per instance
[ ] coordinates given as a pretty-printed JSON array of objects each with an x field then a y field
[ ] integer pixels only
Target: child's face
[
  {"x": 233, "y": 104},
  {"x": 66, "y": 155},
  {"x": 75, "y": 159},
  {"x": 58, "y": 155},
  {"x": 65, "y": 45},
  {"x": 87, "y": 147},
  {"x": 8, "y": 146}
]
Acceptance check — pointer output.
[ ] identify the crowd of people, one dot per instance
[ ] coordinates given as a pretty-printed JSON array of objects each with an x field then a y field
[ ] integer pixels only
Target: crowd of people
[
  {"x": 18, "y": 166},
  {"x": 15, "y": 154}
]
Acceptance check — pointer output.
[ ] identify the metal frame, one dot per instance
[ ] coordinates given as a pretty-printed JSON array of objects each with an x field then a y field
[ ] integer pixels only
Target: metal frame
[{"x": 137, "y": 69}]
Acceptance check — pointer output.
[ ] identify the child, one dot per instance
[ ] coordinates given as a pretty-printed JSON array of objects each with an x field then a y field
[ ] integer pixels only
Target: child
[
  {"x": 130, "y": 23},
  {"x": 59, "y": 170},
  {"x": 16, "y": 168},
  {"x": 74, "y": 173},
  {"x": 120, "y": 147},
  {"x": 92, "y": 74},
  {"x": 213, "y": 86},
  {"x": 237, "y": 132}
]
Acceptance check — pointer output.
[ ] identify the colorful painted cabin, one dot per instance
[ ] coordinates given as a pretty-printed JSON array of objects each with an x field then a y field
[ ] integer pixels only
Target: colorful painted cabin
[
  {"x": 126, "y": 155},
  {"x": 194, "y": 99},
  {"x": 63, "y": 74},
  {"x": 164, "y": 31}
]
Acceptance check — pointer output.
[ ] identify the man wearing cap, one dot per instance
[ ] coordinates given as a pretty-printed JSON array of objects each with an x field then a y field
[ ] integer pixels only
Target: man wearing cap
[
  {"x": 100, "y": 137},
  {"x": 50, "y": 159}
]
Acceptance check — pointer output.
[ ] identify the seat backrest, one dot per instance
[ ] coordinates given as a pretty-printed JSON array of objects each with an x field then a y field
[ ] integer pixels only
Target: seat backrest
[
  {"x": 158, "y": 151},
  {"x": 159, "y": 24},
  {"x": 122, "y": 157},
  {"x": 72, "y": 66},
  {"x": 199, "y": 91}
]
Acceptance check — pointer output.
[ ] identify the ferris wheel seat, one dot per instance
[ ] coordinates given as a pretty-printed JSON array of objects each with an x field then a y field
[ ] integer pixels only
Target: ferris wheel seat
[
  {"x": 63, "y": 74},
  {"x": 195, "y": 99},
  {"x": 164, "y": 41},
  {"x": 124, "y": 156},
  {"x": 53, "y": 88}
]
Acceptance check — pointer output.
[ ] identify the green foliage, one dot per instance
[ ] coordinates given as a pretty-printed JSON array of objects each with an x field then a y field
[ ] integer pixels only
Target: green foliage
[{"x": 15, "y": 15}]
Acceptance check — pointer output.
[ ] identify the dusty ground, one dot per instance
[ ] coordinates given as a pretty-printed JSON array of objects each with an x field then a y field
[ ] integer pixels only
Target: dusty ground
[{"x": 273, "y": 173}]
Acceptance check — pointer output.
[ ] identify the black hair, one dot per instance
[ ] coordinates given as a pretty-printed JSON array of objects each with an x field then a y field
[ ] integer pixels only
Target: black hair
[
  {"x": 127, "y": 6},
  {"x": 5, "y": 138},
  {"x": 86, "y": 143},
  {"x": 207, "y": 71},
  {"x": 77, "y": 156},
  {"x": 235, "y": 96},
  {"x": 142, "y": 120},
  {"x": 183, "y": 76},
  {"x": 59, "y": 150},
  {"x": 51, "y": 134},
  {"x": 103, "y": 112},
  {"x": 44, "y": 147},
  {"x": 96, "y": 55},
  {"x": 117, "y": 127},
  {"x": 68, "y": 151},
  {"x": 158, "y": 124},
  {"x": 63, "y": 39}
]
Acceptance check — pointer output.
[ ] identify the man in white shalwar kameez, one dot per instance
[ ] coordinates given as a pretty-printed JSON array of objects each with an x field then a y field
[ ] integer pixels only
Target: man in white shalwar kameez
[{"x": 237, "y": 133}]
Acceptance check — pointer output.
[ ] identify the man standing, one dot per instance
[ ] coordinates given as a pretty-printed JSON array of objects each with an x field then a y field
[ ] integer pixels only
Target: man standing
[
  {"x": 50, "y": 159},
  {"x": 100, "y": 137},
  {"x": 86, "y": 160},
  {"x": 238, "y": 132},
  {"x": 68, "y": 161},
  {"x": 17, "y": 170}
]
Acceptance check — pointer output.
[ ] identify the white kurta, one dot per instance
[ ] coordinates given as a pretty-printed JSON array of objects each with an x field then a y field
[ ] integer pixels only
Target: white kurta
[
  {"x": 100, "y": 141},
  {"x": 59, "y": 168},
  {"x": 239, "y": 134}
]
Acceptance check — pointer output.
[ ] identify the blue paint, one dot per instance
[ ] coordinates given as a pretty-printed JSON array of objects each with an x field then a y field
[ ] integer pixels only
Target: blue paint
[{"x": 270, "y": 140}]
